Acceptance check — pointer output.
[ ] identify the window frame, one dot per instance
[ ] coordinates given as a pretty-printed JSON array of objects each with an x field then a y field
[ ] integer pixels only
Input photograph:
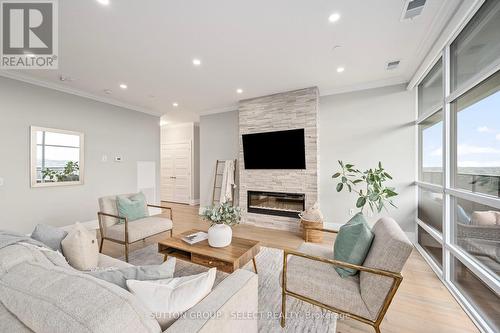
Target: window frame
[
  {"x": 33, "y": 156},
  {"x": 450, "y": 192}
]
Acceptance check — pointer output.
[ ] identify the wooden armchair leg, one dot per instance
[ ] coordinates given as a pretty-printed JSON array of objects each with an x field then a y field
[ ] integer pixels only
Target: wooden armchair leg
[
  {"x": 377, "y": 329},
  {"x": 283, "y": 308},
  {"x": 171, "y": 232},
  {"x": 126, "y": 252},
  {"x": 100, "y": 246}
]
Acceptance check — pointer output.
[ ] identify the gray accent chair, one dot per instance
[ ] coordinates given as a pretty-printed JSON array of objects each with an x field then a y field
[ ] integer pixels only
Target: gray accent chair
[
  {"x": 309, "y": 275},
  {"x": 129, "y": 232}
]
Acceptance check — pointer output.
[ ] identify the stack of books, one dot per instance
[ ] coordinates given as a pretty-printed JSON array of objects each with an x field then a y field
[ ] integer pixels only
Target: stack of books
[{"x": 195, "y": 238}]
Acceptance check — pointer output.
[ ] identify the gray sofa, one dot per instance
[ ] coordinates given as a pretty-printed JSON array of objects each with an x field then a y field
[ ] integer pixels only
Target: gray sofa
[{"x": 40, "y": 292}]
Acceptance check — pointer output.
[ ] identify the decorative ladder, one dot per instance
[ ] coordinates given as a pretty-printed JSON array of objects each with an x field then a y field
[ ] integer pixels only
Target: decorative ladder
[{"x": 219, "y": 172}]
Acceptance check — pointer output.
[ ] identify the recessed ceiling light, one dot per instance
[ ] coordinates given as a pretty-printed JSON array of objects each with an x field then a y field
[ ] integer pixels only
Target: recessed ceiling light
[
  {"x": 196, "y": 62},
  {"x": 334, "y": 17},
  {"x": 239, "y": 91},
  {"x": 103, "y": 2},
  {"x": 340, "y": 69},
  {"x": 175, "y": 104},
  {"x": 123, "y": 86}
]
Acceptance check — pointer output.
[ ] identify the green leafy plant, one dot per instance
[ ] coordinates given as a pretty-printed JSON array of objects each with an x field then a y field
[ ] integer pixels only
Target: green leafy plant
[
  {"x": 222, "y": 214},
  {"x": 69, "y": 173},
  {"x": 375, "y": 194}
]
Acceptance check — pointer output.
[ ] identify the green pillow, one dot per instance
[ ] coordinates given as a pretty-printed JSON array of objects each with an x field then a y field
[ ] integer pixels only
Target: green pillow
[
  {"x": 133, "y": 207},
  {"x": 352, "y": 244}
]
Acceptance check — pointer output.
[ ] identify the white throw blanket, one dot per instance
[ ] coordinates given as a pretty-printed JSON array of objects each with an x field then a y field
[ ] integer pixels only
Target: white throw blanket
[{"x": 226, "y": 191}]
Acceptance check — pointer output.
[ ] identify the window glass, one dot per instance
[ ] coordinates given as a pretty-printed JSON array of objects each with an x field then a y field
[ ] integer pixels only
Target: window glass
[
  {"x": 430, "y": 208},
  {"x": 477, "y": 46},
  {"x": 430, "y": 91},
  {"x": 58, "y": 157},
  {"x": 483, "y": 299},
  {"x": 431, "y": 143},
  {"x": 477, "y": 231},
  {"x": 431, "y": 246},
  {"x": 61, "y": 139},
  {"x": 477, "y": 115}
]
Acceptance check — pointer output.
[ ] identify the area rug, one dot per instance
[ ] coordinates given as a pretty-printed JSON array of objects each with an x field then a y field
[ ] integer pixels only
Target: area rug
[{"x": 302, "y": 317}]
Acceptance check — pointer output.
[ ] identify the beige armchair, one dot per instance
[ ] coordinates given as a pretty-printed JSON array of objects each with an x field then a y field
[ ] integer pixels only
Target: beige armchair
[
  {"x": 129, "y": 232},
  {"x": 309, "y": 275}
]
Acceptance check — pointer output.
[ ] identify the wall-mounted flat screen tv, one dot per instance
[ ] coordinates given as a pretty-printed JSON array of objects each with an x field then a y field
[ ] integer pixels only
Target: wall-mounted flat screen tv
[{"x": 275, "y": 150}]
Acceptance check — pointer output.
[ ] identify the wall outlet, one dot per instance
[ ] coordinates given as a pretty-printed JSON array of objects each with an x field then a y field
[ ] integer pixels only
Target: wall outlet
[
  {"x": 1, "y": 181},
  {"x": 118, "y": 159},
  {"x": 351, "y": 211}
]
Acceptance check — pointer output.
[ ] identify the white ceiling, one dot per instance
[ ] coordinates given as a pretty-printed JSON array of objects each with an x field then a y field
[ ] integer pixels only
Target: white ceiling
[{"x": 260, "y": 46}]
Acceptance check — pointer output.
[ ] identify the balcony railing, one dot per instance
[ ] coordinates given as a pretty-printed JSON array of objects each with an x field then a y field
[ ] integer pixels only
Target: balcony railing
[{"x": 477, "y": 183}]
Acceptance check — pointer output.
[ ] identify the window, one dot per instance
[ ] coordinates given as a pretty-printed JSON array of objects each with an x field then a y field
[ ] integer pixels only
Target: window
[
  {"x": 430, "y": 91},
  {"x": 431, "y": 246},
  {"x": 458, "y": 216},
  {"x": 431, "y": 143},
  {"x": 476, "y": 48},
  {"x": 56, "y": 157},
  {"x": 430, "y": 208},
  {"x": 483, "y": 298},
  {"x": 477, "y": 115}
]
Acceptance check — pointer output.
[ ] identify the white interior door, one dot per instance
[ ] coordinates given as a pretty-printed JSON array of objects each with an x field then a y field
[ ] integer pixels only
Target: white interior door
[{"x": 176, "y": 172}]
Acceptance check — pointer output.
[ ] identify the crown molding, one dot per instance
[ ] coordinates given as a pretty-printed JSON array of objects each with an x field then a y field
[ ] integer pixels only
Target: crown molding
[
  {"x": 365, "y": 86},
  {"x": 454, "y": 24},
  {"x": 222, "y": 109},
  {"x": 76, "y": 92}
]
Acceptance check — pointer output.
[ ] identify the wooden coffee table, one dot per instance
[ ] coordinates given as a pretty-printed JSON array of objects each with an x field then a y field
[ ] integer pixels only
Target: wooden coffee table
[{"x": 227, "y": 259}]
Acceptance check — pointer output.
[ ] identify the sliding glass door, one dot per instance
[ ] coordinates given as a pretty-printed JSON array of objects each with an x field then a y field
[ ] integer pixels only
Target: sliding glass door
[{"x": 458, "y": 220}]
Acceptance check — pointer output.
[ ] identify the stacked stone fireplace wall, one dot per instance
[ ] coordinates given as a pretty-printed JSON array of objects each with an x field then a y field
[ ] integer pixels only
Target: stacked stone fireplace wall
[{"x": 278, "y": 112}]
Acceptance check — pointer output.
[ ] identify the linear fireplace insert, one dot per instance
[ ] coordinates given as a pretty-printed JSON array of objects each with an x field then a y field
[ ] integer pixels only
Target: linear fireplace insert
[{"x": 274, "y": 203}]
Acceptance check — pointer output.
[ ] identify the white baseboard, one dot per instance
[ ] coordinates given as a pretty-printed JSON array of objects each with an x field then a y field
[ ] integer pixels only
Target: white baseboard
[
  {"x": 412, "y": 236},
  {"x": 91, "y": 225},
  {"x": 332, "y": 226},
  {"x": 194, "y": 202}
]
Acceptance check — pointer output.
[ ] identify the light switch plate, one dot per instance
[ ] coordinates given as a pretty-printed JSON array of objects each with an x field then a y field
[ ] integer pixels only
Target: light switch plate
[{"x": 118, "y": 159}]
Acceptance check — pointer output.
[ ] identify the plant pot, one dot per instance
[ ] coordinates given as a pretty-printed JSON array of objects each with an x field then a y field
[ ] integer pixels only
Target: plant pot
[{"x": 219, "y": 235}]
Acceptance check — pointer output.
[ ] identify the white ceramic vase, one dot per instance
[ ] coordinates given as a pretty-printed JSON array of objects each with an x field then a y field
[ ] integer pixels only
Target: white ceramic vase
[{"x": 219, "y": 235}]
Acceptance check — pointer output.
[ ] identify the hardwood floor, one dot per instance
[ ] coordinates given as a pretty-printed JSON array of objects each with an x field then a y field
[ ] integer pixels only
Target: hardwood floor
[{"x": 422, "y": 303}]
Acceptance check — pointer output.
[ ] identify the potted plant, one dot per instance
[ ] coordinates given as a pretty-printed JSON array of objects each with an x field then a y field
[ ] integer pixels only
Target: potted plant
[
  {"x": 375, "y": 194},
  {"x": 222, "y": 218}
]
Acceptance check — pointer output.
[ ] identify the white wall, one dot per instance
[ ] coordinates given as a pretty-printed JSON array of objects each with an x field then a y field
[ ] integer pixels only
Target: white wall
[
  {"x": 108, "y": 130},
  {"x": 218, "y": 140},
  {"x": 363, "y": 128}
]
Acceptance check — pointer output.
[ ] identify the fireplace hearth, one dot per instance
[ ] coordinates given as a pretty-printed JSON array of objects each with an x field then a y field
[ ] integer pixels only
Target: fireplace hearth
[{"x": 275, "y": 203}]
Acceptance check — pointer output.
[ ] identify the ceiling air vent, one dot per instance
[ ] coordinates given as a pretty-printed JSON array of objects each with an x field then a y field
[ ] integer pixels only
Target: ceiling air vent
[
  {"x": 412, "y": 8},
  {"x": 392, "y": 64}
]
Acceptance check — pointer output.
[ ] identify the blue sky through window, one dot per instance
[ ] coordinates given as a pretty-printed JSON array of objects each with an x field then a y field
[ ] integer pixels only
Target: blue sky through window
[{"x": 478, "y": 137}]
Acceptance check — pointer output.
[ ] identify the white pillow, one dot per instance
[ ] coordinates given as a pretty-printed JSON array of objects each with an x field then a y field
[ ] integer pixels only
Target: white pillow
[
  {"x": 167, "y": 299},
  {"x": 80, "y": 248}
]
